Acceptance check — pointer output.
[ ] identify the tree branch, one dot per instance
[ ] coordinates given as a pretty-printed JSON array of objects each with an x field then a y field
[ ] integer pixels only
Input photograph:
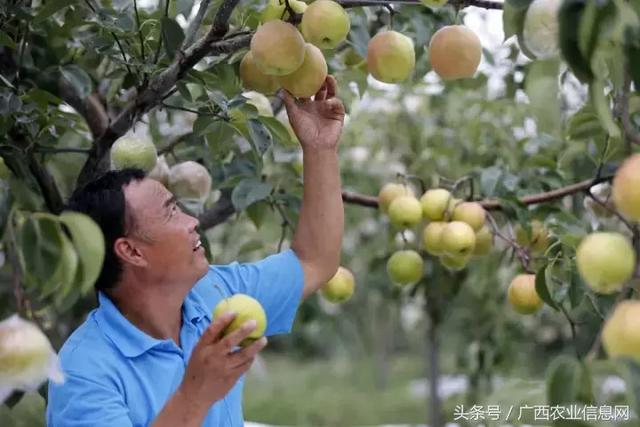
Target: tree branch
[
  {"x": 219, "y": 213},
  {"x": 210, "y": 44},
  {"x": 458, "y": 4},
  {"x": 493, "y": 204},
  {"x": 195, "y": 24},
  {"x": 632, "y": 135},
  {"x": 90, "y": 108},
  {"x": 47, "y": 184}
]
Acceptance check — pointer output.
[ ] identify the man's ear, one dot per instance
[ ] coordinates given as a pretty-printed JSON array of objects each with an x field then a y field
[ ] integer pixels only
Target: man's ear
[{"x": 129, "y": 252}]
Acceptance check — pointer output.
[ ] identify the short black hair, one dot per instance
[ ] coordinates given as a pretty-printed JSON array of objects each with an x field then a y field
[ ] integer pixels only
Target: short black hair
[{"x": 103, "y": 200}]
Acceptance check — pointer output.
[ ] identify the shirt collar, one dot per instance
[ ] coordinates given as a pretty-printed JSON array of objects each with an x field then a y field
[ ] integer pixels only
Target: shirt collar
[{"x": 130, "y": 340}]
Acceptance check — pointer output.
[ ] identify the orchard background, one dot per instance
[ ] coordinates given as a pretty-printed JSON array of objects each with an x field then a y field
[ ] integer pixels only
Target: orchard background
[{"x": 535, "y": 135}]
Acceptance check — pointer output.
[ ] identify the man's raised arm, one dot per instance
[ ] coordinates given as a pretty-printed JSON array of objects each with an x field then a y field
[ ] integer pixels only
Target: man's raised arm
[{"x": 318, "y": 237}]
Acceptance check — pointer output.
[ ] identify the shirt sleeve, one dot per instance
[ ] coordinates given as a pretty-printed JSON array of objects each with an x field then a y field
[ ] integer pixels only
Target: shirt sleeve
[
  {"x": 83, "y": 402},
  {"x": 276, "y": 282}
]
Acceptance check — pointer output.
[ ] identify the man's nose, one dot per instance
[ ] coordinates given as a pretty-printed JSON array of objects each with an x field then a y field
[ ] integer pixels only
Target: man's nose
[{"x": 195, "y": 223}]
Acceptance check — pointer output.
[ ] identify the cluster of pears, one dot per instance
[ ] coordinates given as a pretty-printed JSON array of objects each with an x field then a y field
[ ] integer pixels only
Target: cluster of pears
[
  {"x": 455, "y": 232},
  {"x": 282, "y": 55},
  {"x": 285, "y": 56},
  {"x": 454, "y": 53},
  {"x": 187, "y": 180},
  {"x": 606, "y": 260}
]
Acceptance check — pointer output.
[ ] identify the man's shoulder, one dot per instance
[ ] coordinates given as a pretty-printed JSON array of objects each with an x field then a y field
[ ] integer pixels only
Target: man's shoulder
[{"x": 86, "y": 348}]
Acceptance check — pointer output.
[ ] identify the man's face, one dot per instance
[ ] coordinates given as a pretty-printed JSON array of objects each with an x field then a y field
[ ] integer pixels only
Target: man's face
[{"x": 165, "y": 237}]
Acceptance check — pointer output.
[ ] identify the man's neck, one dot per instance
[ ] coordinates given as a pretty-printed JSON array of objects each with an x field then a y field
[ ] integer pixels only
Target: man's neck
[{"x": 157, "y": 311}]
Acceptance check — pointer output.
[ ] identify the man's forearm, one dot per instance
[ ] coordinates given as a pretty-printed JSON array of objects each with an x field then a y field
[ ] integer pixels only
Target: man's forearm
[
  {"x": 180, "y": 410},
  {"x": 318, "y": 237}
]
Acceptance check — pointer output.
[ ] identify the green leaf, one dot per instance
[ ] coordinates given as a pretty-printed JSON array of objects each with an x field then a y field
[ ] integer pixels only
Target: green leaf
[
  {"x": 257, "y": 212},
  {"x": 260, "y": 136},
  {"x": 249, "y": 191},
  {"x": 89, "y": 244},
  {"x": 562, "y": 380},
  {"x": 569, "y": 18},
  {"x": 489, "y": 179},
  {"x": 585, "y": 124},
  {"x": 78, "y": 78},
  {"x": 43, "y": 98},
  {"x": 6, "y": 40},
  {"x": 49, "y": 8},
  {"x": 172, "y": 36},
  {"x": 206, "y": 124},
  {"x": 279, "y": 131},
  {"x": 568, "y": 382},
  {"x": 543, "y": 290},
  {"x": 601, "y": 104},
  {"x": 513, "y": 14},
  {"x": 63, "y": 279},
  {"x": 40, "y": 244},
  {"x": 541, "y": 86}
]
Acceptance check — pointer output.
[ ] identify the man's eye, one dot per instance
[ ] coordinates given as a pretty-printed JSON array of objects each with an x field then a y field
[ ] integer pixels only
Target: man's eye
[{"x": 174, "y": 209}]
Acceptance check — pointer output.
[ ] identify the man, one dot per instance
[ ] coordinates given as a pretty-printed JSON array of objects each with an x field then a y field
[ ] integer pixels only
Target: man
[{"x": 149, "y": 354}]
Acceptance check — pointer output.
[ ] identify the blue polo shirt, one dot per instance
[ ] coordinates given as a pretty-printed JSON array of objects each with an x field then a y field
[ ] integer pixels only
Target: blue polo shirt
[{"x": 118, "y": 376}]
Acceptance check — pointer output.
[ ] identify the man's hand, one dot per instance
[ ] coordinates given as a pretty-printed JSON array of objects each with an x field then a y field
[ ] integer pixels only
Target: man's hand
[
  {"x": 317, "y": 123},
  {"x": 213, "y": 369}
]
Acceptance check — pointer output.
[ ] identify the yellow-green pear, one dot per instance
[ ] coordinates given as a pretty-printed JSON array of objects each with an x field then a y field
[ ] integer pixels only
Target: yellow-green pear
[
  {"x": 189, "y": 180},
  {"x": 133, "y": 152},
  {"x": 541, "y": 28},
  {"x": 276, "y": 9},
  {"x": 390, "y": 57},
  {"x": 538, "y": 241},
  {"x": 605, "y": 260},
  {"x": 389, "y": 192},
  {"x": 454, "y": 263},
  {"x": 308, "y": 78},
  {"x": 246, "y": 308},
  {"x": 405, "y": 267},
  {"x": 340, "y": 287},
  {"x": 432, "y": 237},
  {"x": 626, "y": 188},
  {"x": 458, "y": 239},
  {"x": 405, "y": 212},
  {"x": 470, "y": 212},
  {"x": 455, "y": 52},
  {"x": 620, "y": 334},
  {"x": 254, "y": 79},
  {"x": 522, "y": 294},
  {"x": 484, "y": 242},
  {"x": 435, "y": 203},
  {"x": 325, "y": 24},
  {"x": 26, "y": 354},
  {"x": 277, "y": 48}
]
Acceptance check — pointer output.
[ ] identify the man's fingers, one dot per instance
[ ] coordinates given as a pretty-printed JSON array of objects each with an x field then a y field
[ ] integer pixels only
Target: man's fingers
[
  {"x": 240, "y": 357},
  {"x": 332, "y": 86},
  {"x": 215, "y": 329},
  {"x": 289, "y": 101},
  {"x": 321, "y": 95},
  {"x": 232, "y": 340}
]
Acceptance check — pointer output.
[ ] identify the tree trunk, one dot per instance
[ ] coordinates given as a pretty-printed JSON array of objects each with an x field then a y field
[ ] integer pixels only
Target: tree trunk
[{"x": 434, "y": 405}]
